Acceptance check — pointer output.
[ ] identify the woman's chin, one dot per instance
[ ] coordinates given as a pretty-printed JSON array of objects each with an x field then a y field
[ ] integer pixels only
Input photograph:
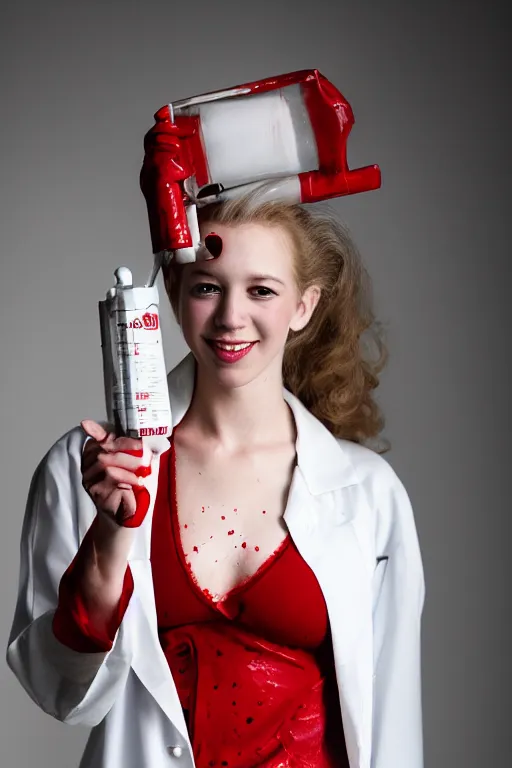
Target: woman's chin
[{"x": 231, "y": 375}]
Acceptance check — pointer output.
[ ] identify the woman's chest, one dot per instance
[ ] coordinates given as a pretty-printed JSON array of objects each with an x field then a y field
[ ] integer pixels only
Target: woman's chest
[{"x": 228, "y": 515}]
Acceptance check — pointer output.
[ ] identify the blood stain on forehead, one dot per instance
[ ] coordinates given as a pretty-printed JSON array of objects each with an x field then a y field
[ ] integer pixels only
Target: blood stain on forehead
[{"x": 213, "y": 244}]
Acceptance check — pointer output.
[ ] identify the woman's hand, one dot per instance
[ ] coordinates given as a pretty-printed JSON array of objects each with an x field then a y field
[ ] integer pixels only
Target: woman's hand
[{"x": 112, "y": 474}]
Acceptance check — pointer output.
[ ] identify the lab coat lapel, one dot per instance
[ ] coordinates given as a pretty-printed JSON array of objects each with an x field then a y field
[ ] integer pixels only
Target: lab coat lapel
[
  {"x": 149, "y": 662},
  {"x": 322, "y": 517}
]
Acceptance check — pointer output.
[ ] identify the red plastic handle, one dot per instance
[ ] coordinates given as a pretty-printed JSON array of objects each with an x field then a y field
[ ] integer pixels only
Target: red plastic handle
[{"x": 166, "y": 165}]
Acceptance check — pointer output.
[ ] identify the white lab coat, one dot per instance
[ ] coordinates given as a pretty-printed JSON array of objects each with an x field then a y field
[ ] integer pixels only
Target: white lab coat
[{"x": 351, "y": 520}]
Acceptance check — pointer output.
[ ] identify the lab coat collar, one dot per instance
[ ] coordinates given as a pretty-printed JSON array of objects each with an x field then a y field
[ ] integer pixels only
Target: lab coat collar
[{"x": 324, "y": 464}]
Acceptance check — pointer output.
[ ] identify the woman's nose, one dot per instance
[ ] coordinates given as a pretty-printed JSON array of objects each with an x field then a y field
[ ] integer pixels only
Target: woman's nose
[{"x": 230, "y": 311}]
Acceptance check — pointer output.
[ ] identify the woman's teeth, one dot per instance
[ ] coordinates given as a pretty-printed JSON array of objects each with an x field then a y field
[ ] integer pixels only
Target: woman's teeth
[{"x": 232, "y": 347}]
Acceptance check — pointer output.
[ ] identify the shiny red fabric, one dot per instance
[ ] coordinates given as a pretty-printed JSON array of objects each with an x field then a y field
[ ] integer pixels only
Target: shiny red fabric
[
  {"x": 254, "y": 671},
  {"x": 72, "y": 625}
]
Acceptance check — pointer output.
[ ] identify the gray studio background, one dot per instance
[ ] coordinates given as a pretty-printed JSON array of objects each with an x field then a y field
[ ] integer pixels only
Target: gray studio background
[{"x": 429, "y": 87}]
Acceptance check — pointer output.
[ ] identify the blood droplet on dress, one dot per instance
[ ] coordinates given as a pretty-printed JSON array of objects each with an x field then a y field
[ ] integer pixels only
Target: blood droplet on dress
[{"x": 230, "y": 533}]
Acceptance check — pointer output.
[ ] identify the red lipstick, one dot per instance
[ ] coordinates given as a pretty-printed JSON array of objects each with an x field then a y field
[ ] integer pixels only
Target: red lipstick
[{"x": 230, "y": 355}]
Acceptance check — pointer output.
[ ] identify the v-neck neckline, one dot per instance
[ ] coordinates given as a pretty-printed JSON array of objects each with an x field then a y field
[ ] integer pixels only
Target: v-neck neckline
[{"x": 203, "y": 593}]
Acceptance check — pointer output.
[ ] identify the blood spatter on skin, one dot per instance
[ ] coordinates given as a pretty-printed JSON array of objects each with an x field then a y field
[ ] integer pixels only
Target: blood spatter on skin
[
  {"x": 235, "y": 510},
  {"x": 264, "y": 512},
  {"x": 196, "y": 549},
  {"x": 244, "y": 545},
  {"x": 257, "y": 549},
  {"x": 202, "y": 509},
  {"x": 230, "y": 533},
  {"x": 223, "y": 517},
  {"x": 185, "y": 526},
  {"x": 213, "y": 243}
]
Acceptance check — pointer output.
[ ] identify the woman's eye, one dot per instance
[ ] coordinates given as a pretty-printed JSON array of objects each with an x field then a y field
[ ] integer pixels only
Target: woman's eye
[
  {"x": 209, "y": 289},
  {"x": 204, "y": 289},
  {"x": 263, "y": 292}
]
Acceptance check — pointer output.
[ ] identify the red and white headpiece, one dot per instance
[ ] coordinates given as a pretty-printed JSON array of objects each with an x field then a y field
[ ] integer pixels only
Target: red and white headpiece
[{"x": 285, "y": 134}]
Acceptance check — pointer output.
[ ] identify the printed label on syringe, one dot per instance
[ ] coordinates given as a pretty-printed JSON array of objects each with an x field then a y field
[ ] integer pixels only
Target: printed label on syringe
[
  {"x": 141, "y": 390},
  {"x": 135, "y": 377}
]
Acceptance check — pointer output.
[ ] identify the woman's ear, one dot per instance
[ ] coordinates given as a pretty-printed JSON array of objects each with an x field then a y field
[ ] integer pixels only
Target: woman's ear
[{"x": 306, "y": 306}]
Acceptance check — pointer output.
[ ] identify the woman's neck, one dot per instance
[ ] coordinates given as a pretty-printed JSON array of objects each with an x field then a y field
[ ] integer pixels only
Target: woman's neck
[{"x": 236, "y": 419}]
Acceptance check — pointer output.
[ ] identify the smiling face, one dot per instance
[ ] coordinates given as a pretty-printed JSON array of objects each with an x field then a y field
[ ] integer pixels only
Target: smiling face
[{"x": 236, "y": 311}]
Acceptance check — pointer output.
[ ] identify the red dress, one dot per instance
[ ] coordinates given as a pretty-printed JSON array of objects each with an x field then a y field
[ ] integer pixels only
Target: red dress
[{"x": 254, "y": 671}]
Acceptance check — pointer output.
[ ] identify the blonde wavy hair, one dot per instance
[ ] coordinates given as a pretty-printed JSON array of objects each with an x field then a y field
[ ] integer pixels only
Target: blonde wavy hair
[{"x": 333, "y": 364}]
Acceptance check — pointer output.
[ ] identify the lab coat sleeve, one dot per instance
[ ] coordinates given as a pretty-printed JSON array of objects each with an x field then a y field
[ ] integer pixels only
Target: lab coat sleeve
[
  {"x": 399, "y": 593},
  {"x": 69, "y": 685}
]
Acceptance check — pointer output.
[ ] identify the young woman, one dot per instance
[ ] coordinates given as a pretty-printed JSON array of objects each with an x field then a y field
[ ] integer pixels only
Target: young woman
[{"x": 252, "y": 596}]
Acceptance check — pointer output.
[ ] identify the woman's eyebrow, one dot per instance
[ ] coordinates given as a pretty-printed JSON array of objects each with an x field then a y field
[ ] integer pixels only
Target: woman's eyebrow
[
  {"x": 251, "y": 278},
  {"x": 255, "y": 278},
  {"x": 202, "y": 273}
]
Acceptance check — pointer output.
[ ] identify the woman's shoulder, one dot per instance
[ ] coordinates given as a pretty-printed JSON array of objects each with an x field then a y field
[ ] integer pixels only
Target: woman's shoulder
[
  {"x": 382, "y": 488},
  {"x": 369, "y": 466}
]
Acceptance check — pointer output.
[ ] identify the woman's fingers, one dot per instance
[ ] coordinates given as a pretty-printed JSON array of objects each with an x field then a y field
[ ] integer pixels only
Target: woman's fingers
[
  {"x": 94, "y": 430},
  {"x": 117, "y": 503},
  {"x": 114, "y": 444},
  {"x": 110, "y": 475},
  {"x": 108, "y": 441},
  {"x": 103, "y": 460}
]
